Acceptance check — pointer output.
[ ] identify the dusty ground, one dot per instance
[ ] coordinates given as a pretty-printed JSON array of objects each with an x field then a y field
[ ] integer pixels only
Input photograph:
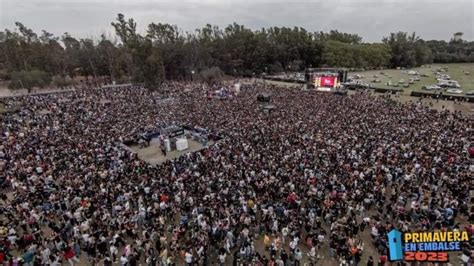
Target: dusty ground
[
  {"x": 4, "y": 92},
  {"x": 152, "y": 154}
]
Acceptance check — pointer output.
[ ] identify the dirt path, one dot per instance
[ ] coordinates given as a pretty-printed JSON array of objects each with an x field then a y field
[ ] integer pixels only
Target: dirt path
[{"x": 5, "y": 93}]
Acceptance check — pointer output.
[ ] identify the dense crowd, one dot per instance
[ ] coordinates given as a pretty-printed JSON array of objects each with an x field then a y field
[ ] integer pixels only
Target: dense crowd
[{"x": 321, "y": 179}]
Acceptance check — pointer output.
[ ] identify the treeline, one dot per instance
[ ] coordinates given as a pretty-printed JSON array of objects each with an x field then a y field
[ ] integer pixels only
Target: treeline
[{"x": 165, "y": 52}]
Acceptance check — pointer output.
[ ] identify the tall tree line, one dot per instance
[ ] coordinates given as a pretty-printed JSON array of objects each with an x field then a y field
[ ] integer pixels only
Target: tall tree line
[{"x": 165, "y": 52}]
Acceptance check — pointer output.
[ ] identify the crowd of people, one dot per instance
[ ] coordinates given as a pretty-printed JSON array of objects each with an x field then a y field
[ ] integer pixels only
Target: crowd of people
[{"x": 318, "y": 181}]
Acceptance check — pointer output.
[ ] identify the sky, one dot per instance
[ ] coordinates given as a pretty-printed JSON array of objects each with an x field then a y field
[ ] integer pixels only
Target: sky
[{"x": 371, "y": 19}]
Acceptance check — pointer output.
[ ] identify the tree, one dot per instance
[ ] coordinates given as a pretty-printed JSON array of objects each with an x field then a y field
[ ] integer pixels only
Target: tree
[
  {"x": 212, "y": 75},
  {"x": 109, "y": 58},
  {"x": 152, "y": 69},
  {"x": 165, "y": 52},
  {"x": 29, "y": 79},
  {"x": 407, "y": 50}
]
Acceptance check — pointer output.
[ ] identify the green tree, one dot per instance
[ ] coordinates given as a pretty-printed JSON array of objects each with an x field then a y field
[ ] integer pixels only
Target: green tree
[
  {"x": 212, "y": 75},
  {"x": 29, "y": 79}
]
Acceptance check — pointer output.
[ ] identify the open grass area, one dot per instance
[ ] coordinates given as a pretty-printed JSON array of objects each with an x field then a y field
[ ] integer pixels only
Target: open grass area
[
  {"x": 2, "y": 108},
  {"x": 455, "y": 71}
]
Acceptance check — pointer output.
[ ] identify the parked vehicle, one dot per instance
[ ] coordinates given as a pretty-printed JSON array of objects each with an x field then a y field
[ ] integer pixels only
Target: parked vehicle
[
  {"x": 449, "y": 84},
  {"x": 454, "y": 91},
  {"x": 443, "y": 77},
  {"x": 431, "y": 87}
]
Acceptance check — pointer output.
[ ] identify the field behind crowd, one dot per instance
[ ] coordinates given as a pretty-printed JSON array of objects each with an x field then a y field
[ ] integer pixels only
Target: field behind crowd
[{"x": 455, "y": 71}]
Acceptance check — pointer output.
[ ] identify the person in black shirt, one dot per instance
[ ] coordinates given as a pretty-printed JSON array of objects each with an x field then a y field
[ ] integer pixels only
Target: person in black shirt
[
  {"x": 284, "y": 256},
  {"x": 370, "y": 262},
  {"x": 107, "y": 261}
]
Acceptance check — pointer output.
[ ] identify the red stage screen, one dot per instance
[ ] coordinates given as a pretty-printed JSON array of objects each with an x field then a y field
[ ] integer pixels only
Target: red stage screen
[{"x": 328, "y": 81}]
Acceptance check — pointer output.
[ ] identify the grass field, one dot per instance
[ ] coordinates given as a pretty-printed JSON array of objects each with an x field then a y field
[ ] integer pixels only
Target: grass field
[
  {"x": 455, "y": 71},
  {"x": 2, "y": 108}
]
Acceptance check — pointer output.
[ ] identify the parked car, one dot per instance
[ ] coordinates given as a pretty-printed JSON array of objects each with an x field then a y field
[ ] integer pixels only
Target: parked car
[
  {"x": 449, "y": 84},
  {"x": 455, "y": 91},
  {"x": 417, "y": 79},
  {"x": 443, "y": 77},
  {"x": 431, "y": 88},
  {"x": 411, "y": 81},
  {"x": 470, "y": 93}
]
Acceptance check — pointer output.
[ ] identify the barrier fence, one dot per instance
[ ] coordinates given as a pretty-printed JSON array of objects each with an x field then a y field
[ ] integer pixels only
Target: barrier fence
[{"x": 421, "y": 94}]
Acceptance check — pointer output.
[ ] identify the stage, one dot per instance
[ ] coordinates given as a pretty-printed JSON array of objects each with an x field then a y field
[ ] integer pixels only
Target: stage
[{"x": 153, "y": 155}]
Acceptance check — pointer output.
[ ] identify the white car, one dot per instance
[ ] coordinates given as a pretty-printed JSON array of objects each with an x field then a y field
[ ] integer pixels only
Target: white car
[
  {"x": 431, "y": 88},
  {"x": 470, "y": 93},
  {"x": 455, "y": 91},
  {"x": 449, "y": 84}
]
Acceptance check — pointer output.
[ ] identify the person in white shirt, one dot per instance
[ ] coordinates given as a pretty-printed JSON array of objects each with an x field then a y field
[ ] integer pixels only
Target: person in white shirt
[
  {"x": 113, "y": 252},
  {"x": 123, "y": 260},
  {"x": 284, "y": 233},
  {"x": 298, "y": 256},
  {"x": 312, "y": 252},
  {"x": 222, "y": 259},
  {"x": 374, "y": 232},
  {"x": 200, "y": 251},
  {"x": 293, "y": 246},
  {"x": 188, "y": 258},
  {"x": 279, "y": 262},
  {"x": 45, "y": 255}
]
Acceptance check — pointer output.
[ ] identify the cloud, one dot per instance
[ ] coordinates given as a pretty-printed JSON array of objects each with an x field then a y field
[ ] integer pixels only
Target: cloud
[{"x": 372, "y": 19}]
